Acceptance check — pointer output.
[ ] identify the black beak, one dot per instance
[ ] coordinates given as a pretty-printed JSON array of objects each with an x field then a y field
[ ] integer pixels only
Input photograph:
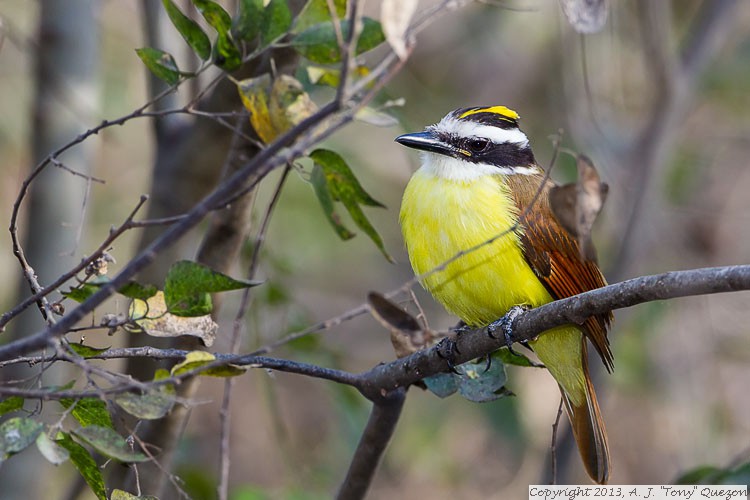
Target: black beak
[{"x": 426, "y": 141}]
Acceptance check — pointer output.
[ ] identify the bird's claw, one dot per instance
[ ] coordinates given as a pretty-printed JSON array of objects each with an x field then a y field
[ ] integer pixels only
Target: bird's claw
[
  {"x": 447, "y": 350},
  {"x": 505, "y": 324},
  {"x": 489, "y": 363}
]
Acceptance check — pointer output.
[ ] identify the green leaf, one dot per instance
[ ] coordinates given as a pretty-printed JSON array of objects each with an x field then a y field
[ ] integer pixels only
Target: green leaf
[
  {"x": 152, "y": 404},
  {"x": 188, "y": 285},
  {"x": 247, "y": 23},
  {"x": 508, "y": 358},
  {"x": 442, "y": 384},
  {"x": 473, "y": 381},
  {"x": 479, "y": 384},
  {"x": 81, "y": 292},
  {"x": 53, "y": 452},
  {"x": 82, "y": 460},
  {"x": 276, "y": 20},
  {"x": 708, "y": 474},
  {"x": 149, "y": 405},
  {"x": 86, "y": 351},
  {"x": 10, "y": 404},
  {"x": 16, "y": 434},
  {"x": 343, "y": 186},
  {"x": 134, "y": 290},
  {"x": 89, "y": 411},
  {"x": 214, "y": 14},
  {"x": 317, "y": 11},
  {"x": 320, "y": 185},
  {"x": 109, "y": 443},
  {"x": 704, "y": 474},
  {"x": 361, "y": 220},
  {"x": 160, "y": 63},
  {"x": 341, "y": 179},
  {"x": 319, "y": 44},
  {"x": 196, "y": 359},
  {"x": 737, "y": 475},
  {"x": 226, "y": 55},
  {"x": 189, "y": 29}
]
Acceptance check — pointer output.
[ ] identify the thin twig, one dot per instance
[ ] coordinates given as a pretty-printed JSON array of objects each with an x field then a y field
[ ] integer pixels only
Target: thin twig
[
  {"x": 41, "y": 293},
  {"x": 305, "y": 134},
  {"x": 224, "y": 413},
  {"x": 553, "y": 451},
  {"x": 348, "y": 50}
]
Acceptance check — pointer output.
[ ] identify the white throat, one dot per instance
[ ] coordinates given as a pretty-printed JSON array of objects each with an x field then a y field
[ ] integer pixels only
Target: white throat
[{"x": 457, "y": 170}]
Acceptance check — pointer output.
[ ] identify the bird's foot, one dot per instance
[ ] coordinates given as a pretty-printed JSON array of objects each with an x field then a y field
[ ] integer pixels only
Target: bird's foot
[
  {"x": 505, "y": 325},
  {"x": 447, "y": 349}
]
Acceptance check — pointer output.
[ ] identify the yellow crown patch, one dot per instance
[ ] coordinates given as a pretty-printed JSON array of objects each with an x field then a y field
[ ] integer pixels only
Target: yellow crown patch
[{"x": 506, "y": 114}]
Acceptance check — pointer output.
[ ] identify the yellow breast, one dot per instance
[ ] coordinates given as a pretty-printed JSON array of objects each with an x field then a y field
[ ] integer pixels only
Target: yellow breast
[{"x": 442, "y": 217}]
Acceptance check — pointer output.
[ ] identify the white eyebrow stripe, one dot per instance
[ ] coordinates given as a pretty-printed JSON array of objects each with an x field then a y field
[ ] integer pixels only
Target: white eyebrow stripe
[{"x": 497, "y": 135}]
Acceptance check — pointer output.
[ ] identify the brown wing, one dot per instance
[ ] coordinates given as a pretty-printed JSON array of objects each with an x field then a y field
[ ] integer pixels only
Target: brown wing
[{"x": 554, "y": 256}]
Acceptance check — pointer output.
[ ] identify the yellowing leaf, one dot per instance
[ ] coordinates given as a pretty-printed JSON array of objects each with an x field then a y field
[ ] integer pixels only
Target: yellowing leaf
[
  {"x": 275, "y": 107},
  {"x": 254, "y": 93},
  {"x": 197, "y": 359},
  {"x": 290, "y": 104},
  {"x": 151, "y": 315},
  {"x": 331, "y": 77}
]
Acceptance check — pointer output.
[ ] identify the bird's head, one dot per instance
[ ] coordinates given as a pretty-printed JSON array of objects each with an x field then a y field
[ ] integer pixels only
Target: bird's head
[{"x": 472, "y": 142}]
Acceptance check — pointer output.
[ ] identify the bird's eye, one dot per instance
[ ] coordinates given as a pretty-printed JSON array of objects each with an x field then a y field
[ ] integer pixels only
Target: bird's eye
[{"x": 478, "y": 144}]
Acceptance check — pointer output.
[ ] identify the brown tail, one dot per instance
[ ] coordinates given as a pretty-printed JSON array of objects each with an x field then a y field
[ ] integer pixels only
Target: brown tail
[{"x": 588, "y": 429}]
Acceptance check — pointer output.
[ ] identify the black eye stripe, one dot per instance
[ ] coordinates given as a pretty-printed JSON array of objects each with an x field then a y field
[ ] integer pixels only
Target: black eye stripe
[{"x": 505, "y": 154}]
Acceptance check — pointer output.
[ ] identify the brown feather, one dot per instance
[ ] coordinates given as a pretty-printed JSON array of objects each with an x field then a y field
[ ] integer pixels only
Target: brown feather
[
  {"x": 554, "y": 256},
  {"x": 588, "y": 429}
]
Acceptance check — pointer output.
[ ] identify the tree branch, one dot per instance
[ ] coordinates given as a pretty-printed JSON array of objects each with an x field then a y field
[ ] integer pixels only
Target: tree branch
[
  {"x": 576, "y": 309},
  {"x": 375, "y": 438},
  {"x": 376, "y": 382}
]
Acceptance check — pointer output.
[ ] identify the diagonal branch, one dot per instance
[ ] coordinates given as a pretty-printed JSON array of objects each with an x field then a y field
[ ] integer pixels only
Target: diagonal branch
[
  {"x": 378, "y": 431},
  {"x": 576, "y": 309}
]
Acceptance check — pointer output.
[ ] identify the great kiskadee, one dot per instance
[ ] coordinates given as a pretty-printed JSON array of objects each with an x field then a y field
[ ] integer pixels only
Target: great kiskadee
[{"x": 479, "y": 183}]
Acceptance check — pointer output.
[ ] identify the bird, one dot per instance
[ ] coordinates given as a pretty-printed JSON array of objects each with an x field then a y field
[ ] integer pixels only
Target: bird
[{"x": 480, "y": 232}]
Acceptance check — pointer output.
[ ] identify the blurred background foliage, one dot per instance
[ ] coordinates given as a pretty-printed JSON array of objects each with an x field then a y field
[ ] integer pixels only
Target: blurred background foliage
[{"x": 678, "y": 397}]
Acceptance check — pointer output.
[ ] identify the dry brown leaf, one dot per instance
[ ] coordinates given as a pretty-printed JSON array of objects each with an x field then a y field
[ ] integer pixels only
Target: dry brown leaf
[
  {"x": 576, "y": 206},
  {"x": 407, "y": 335},
  {"x": 152, "y": 316},
  {"x": 395, "y": 16}
]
